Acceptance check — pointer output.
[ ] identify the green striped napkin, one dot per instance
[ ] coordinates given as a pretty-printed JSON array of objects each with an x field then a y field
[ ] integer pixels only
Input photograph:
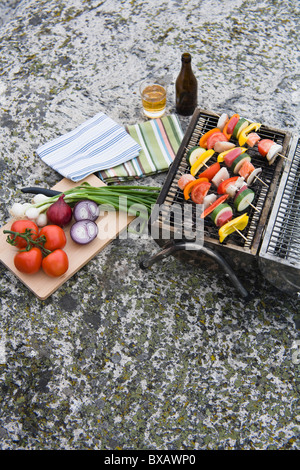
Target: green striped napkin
[{"x": 159, "y": 140}]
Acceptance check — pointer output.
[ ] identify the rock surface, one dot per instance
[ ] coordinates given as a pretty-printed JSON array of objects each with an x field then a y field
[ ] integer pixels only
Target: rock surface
[{"x": 118, "y": 357}]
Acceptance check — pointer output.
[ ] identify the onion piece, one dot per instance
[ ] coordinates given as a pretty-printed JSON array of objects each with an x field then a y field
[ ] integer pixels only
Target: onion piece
[
  {"x": 59, "y": 213},
  {"x": 222, "y": 175},
  {"x": 32, "y": 213},
  {"x": 41, "y": 220},
  {"x": 253, "y": 175},
  {"x": 273, "y": 152},
  {"x": 86, "y": 210},
  {"x": 17, "y": 210},
  {"x": 223, "y": 119},
  {"x": 209, "y": 200},
  {"x": 39, "y": 198},
  {"x": 231, "y": 189},
  {"x": 223, "y": 146},
  {"x": 84, "y": 231},
  {"x": 240, "y": 182},
  {"x": 236, "y": 186}
]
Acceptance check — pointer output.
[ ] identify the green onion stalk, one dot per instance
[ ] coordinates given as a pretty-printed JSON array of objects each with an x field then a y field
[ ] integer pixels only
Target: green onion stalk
[{"x": 119, "y": 198}]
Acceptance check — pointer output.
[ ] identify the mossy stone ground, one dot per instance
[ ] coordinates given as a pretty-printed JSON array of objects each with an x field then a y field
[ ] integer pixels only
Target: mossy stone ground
[{"x": 118, "y": 357}]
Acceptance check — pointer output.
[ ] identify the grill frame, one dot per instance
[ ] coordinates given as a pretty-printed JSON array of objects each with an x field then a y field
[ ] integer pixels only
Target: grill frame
[
  {"x": 264, "y": 197},
  {"x": 230, "y": 254}
]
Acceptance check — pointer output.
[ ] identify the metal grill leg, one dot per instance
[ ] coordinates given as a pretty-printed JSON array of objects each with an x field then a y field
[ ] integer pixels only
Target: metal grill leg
[{"x": 171, "y": 247}]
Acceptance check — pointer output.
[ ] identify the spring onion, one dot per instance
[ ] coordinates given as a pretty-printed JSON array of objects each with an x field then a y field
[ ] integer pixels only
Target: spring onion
[{"x": 119, "y": 198}]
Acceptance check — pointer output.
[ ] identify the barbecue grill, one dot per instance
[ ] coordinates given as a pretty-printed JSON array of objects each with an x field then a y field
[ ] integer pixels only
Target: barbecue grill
[{"x": 271, "y": 239}]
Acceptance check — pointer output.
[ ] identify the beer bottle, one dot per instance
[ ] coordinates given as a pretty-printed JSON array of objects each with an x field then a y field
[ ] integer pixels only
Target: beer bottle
[{"x": 186, "y": 87}]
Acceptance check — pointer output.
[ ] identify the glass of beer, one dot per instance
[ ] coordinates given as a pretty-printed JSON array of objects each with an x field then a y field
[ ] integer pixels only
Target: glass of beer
[{"x": 154, "y": 97}]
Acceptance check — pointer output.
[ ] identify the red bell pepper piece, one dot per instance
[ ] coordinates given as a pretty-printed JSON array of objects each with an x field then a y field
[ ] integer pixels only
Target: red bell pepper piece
[
  {"x": 222, "y": 186},
  {"x": 215, "y": 204}
]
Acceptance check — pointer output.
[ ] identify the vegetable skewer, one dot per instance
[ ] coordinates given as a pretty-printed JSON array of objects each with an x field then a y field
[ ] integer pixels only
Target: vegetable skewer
[
  {"x": 221, "y": 213},
  {"x": 219, "y": 177},
  {"x": 243, "y": 132},
  {"x": 237, "y": 160},
  {"x": 269, "y": 149},
  {"x": 198, "y": 156},
  {"x": 237, "y": 224}
]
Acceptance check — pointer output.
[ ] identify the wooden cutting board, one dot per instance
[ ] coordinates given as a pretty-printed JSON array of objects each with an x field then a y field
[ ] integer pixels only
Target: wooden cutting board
[{"x": 110, "y": 225}]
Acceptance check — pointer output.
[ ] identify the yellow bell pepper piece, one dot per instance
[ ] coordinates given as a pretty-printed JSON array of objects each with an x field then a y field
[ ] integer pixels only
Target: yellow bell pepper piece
[
  {"x": 239, "y": 223},
  {"x": 204, "y": 157},
  {"x": 222, "y": 155},
  {"x": 244, "y": 134}
]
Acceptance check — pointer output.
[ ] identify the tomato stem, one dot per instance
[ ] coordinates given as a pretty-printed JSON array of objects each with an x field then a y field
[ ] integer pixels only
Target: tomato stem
[{"x": 27, "y": 236}]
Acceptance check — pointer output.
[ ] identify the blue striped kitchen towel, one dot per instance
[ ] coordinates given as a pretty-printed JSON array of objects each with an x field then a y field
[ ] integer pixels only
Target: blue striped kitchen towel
[{"x": 97, "y": 144}]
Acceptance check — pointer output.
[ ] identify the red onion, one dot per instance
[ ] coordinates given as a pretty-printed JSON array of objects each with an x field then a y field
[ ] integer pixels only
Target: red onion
[
  {"x": 84, "y": 231},
  {"x": 59, "y": 213},
  {"x": 86, "y": 210}
]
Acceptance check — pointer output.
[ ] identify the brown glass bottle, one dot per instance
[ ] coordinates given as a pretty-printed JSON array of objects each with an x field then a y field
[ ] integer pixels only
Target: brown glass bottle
[{"x": 186, "y": 87}]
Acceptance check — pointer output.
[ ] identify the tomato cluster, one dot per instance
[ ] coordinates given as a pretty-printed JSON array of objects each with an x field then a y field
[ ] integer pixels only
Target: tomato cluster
[{"x": 39, "y": 249}]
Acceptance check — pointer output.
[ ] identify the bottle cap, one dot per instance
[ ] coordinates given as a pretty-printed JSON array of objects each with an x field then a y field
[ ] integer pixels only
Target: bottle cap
[{"x": 186, "y": 57}]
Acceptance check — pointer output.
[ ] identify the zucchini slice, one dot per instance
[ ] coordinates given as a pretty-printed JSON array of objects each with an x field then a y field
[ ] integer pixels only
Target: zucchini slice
[
  {"x": 239, "y": 161},
  {"x": 218, "y": 211},
  {"x": 242, "y": 124},
  {"x": 193, "y": 154},
  {"x": 244, "y": 199}
]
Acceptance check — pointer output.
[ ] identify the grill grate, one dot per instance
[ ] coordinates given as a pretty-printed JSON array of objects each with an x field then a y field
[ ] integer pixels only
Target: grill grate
[
  {"x": 284, "y": 240},
  {"x": 171, "y": 195}
]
